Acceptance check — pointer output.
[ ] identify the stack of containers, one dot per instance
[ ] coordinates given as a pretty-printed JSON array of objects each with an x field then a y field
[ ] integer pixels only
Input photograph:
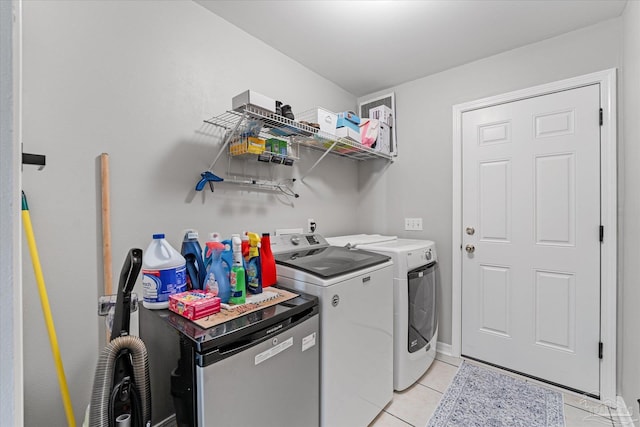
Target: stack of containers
[
  {"x": 195, "y": 283},
  {"x": 385, "y": 116},
  {"x": 348, "y": 126}
]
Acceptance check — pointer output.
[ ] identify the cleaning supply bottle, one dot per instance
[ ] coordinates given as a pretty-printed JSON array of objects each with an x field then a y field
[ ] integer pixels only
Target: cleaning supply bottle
[
  {"x": 254, "y": 282},
  {"x": 227, "y": 257},
  {"x": 267, "y": 262},
  {"x": 163, "y": 273},
  {"x": 237, "y": 277},
  {"x": 192, "y": 253},
  {"x": 216, "y": 282},
  {"x": 245, "y": 245},
  {"x": 213, "y": 237}
]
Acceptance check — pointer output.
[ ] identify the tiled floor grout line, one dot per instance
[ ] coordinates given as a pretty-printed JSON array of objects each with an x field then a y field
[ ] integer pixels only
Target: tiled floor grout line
[
  {"x": 450, "y": 364},
  {"x": 433, "y": 389},
  {"x": 397, "y": 417}
]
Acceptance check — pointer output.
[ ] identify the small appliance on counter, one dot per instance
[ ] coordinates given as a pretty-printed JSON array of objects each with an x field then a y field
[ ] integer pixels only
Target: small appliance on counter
[{"x": 259, "y": 369}]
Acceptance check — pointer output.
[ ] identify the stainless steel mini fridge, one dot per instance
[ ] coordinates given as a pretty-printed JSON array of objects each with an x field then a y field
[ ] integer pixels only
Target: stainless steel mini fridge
[{"x": 261, "y": 369}]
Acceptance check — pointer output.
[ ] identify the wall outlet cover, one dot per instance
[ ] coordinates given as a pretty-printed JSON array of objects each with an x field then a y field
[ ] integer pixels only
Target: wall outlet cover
[{"x": 413, "y": 224}]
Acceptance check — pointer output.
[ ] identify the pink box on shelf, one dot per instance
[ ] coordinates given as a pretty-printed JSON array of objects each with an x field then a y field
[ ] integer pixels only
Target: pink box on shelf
[{"x": 194, "y": 305}]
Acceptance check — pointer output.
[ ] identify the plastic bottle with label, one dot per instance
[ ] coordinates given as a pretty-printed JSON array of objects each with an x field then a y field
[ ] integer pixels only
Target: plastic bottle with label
[
  {"x": 192, "y": 253},
  {"x": 163, "y": 273},
  {"x": 213, "y": 237},
  {"x": 227, "y": 257},
  {"x": 237, "y": 277},
  {"x": 267, "y": 262},
  {"x": 216, "y": 281},
  {"x": 245, "y": 245},
  {"x": 254, "y": 281}
]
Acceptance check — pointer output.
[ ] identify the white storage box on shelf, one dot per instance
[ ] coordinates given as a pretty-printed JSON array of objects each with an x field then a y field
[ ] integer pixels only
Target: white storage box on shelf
[
  {"x": 254, "y": 99},
  {"x": 383, "y": 143},
  {"x": 382, "y": 113},
  {"x": 347, "y": 132},
  {"x": 321, "y": 116}
]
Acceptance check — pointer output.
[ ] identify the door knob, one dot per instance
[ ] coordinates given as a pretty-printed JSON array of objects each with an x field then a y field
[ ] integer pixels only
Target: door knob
[
  {"x": 470, "y": 231},
  {"x": 470, "y": 249}
]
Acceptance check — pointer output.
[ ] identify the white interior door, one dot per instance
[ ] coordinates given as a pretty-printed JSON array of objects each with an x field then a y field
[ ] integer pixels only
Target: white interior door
[{"x": 531, "y": 216}]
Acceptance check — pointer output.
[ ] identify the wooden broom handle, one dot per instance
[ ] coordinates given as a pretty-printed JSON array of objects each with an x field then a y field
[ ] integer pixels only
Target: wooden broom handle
[{"x": 106, "y": 223}]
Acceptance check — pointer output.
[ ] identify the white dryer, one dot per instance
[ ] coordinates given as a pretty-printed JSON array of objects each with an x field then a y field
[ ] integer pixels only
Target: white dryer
[
  {"x": 415, "y": 313},
  {"x": 356, "y": 323}
]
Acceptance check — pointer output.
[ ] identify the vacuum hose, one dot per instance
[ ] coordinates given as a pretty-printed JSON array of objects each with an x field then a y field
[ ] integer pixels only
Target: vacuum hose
[{"x": 102, "y": 386}]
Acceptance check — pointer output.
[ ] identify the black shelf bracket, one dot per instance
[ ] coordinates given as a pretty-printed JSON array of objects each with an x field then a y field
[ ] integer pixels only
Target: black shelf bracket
[{"x": 34, "y": 159}]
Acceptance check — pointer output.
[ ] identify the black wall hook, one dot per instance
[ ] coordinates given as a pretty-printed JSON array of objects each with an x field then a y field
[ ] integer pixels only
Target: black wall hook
[{"x": 34, "y": 159}]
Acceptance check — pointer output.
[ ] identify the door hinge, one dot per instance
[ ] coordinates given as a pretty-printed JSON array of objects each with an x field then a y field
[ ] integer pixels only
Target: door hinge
[
  {"x": 600, "y": 350},
  {"x": 602, "y": 233},
  {"x": 601, "y": 117}
]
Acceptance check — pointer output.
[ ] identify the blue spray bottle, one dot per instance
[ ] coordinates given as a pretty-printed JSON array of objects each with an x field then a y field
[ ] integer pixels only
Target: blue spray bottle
[
  {"x": 227, "y": 257},
  {"x": 192, "y": 253},
  {"x": 217, "y": 281}
]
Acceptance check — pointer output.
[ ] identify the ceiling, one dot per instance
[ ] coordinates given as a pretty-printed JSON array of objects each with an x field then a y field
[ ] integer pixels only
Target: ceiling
[{"x": 366, "y": 46}]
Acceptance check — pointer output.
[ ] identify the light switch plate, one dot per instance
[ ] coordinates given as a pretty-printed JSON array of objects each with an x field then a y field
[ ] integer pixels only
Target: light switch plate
[{"x": 413, "y": 224}]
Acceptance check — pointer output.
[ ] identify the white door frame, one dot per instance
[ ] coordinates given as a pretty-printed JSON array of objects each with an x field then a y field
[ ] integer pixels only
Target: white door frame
[
  {"x": 608, "y": 188},
  {"x": 11, "y": 333}
]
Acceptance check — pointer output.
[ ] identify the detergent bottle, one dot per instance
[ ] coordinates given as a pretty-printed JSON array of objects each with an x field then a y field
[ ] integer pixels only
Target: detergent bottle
[
  {"x": 217, "y": 282},
  {"x": 227, "y": 257},
  {"x": 237, "y": 277},
  {"x": 163, "y": 273},
  {"x": 254, "y": 282},
  {"x": 267, "y": 262},
  {"x": 213, "y": 237},
  {"x": 192, "y": 253}
]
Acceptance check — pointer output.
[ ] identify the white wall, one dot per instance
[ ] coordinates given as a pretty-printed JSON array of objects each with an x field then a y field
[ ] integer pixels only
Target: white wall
[
  {"x": 419, "y": 182},
  {"x": 10, "y": 315},
  {"x": 136, "y": 79},
  {"x": 629, "y": 275}
]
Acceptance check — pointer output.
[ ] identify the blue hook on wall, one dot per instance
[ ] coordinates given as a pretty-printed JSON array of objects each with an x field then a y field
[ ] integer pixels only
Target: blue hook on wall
[{"x": 207, "y": 177}]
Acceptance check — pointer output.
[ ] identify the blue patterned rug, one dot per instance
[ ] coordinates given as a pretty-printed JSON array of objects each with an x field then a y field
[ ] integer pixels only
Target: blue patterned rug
[{"x": 480, "y": 397}]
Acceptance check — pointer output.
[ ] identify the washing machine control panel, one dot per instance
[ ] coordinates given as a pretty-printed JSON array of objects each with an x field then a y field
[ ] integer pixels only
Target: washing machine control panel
[
  {"x": 289, "y": 242},
  {"x": 421, "y": 256}
]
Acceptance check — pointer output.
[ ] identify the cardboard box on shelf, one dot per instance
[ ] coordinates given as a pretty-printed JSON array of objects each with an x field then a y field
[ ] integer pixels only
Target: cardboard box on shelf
[
  {"x": 348, "y": 132},
  {"x": 254, "y": 99},
  {"x": 383, "y": 143},
  {"x": 382, "y": 113},
  {"x": 326, "y": 119},
  {"x": 246, "y": 145},
  {"x": 348, "y": 116}
]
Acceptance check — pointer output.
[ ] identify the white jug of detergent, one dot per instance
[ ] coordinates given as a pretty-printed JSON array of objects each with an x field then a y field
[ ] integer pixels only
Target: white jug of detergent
[{"x": 163, "y": 273}]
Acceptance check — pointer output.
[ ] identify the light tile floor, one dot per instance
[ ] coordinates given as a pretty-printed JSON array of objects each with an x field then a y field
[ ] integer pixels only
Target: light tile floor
[{"x": 415, "y": 405}]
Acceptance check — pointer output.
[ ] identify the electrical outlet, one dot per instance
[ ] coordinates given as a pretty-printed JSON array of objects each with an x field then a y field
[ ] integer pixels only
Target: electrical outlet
[
  {"x": 311, "y": 225},
  {"x": 413, "y": 224}
]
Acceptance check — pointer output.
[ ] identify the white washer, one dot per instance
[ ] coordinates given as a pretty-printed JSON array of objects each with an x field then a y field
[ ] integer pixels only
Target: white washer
[
  {"x": 415, "y": 330},
  {"x": 356, "y": 323}
]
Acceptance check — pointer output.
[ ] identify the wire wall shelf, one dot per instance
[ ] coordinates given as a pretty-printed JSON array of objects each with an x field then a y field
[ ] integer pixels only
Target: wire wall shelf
[
  {"x": 252, "y": 121},
  {"x": 299, "y": 133}
]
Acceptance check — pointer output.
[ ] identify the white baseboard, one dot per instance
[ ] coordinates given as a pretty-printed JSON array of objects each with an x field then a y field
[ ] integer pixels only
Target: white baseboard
[
  {"x": 626, "y": 417},
  {"x": 444, "y": 348}
]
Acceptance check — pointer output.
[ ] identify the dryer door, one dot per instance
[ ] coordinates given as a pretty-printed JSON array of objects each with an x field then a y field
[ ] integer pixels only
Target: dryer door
[{"x": 423, "y": 318}]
